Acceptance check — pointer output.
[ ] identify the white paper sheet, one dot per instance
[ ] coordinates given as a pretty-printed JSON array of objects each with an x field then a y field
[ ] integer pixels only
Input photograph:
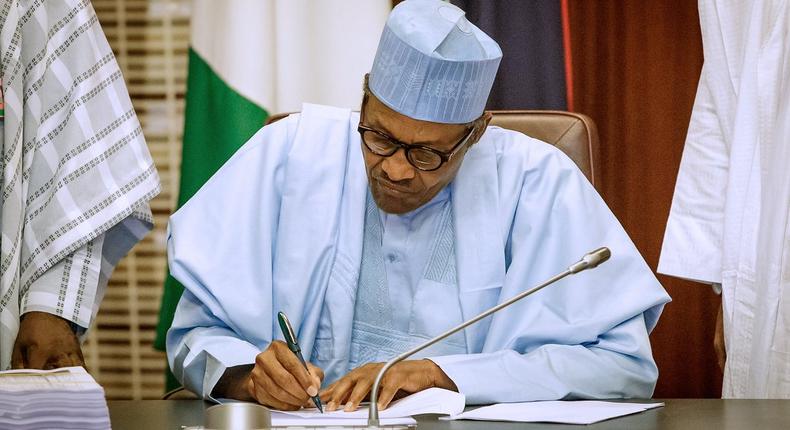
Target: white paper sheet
[
  {"x": 280, "y": 419},
  {"x": 565, "y": 412},
  {"x": 430, "y": 401}
]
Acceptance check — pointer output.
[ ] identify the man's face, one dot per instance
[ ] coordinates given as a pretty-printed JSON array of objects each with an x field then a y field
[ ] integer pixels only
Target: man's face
[{"x": 397, "y": 186}]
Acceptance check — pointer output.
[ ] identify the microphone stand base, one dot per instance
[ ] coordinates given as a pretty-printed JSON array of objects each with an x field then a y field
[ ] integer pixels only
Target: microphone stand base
[
  {"x": 391, "y": 427},
  {"x": 361, "y": 427}
]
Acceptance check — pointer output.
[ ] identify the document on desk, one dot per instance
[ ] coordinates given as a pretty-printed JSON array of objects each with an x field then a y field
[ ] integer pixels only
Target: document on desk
[
  {"x": 430, "y": 401},
  {"x": 564, "y": 412}
]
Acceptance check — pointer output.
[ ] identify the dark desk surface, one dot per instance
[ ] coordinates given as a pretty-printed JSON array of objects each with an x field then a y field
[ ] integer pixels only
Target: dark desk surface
[{"x": 694, "y": 414}]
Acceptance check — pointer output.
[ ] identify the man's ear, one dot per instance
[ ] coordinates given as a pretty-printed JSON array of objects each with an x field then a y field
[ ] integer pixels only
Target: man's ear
[{"x": 481, "y": 125}]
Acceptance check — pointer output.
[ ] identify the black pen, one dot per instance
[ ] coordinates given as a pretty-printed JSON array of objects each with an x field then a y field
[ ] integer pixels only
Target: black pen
[{"x": 293, "y": 345}]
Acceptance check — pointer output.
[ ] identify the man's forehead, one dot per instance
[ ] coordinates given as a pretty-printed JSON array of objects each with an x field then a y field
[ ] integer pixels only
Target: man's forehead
[{"x": 409, "y": 130}]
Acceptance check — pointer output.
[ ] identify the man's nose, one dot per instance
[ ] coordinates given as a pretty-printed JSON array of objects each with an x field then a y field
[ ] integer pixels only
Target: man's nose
[{"x": 397, "y": 167}]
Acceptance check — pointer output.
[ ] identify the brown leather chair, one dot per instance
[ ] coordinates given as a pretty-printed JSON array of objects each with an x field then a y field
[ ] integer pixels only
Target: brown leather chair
[{"x": 573, "y": 133}]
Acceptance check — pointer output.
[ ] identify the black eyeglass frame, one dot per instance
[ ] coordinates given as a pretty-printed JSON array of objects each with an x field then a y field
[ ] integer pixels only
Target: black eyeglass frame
[{"x": 408, "y": 147}]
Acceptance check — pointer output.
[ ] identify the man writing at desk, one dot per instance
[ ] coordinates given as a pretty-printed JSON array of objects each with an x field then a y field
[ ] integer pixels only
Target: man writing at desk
[{"x": 376, "y": 231}]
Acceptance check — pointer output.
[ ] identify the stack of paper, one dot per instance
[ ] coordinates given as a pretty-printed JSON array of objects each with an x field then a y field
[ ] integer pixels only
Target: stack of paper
[
  {"x": 66, "y": 398},
  {"x": 567, "y": 412}
]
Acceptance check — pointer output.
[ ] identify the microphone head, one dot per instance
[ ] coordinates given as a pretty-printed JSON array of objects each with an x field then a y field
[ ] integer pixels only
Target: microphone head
[
  {"x": 591, "y": 260},
  {"x": 594, "y": 258}
]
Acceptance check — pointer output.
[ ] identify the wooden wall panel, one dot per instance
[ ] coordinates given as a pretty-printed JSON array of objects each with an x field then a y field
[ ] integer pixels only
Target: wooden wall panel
[{"x": 635, "y": 68}]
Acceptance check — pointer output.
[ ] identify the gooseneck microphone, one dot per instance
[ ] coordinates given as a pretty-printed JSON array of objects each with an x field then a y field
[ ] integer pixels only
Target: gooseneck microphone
[{"x": 589, "y": 261}]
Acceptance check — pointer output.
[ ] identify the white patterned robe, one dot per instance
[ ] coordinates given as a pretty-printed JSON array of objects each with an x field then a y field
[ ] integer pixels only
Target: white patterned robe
[
  {"x": 730, "y": 216},
  {"x": 76, "y": 173}
]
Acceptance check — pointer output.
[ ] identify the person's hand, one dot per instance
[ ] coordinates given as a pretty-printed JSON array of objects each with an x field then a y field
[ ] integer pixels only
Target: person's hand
[
  {"x": 279, "y": 380},
  {"x": 718, "y": 340},
  {"x": 45, "y": 341},
  {"x": 403, "y": 378}
]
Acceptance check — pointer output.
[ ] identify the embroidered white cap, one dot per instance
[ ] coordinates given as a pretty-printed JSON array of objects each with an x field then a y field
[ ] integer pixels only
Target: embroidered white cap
[{"x": 434, "y": 65}]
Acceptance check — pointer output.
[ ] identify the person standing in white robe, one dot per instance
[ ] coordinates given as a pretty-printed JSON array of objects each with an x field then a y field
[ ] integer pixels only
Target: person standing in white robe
[
  {"x": 76, "y": 178},
  {"x": 730, "y": 219},
  {"x": 375, "y": 231}
]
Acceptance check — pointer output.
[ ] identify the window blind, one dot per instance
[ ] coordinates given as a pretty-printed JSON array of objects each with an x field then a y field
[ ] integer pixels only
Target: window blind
[{"x": 150, "y": 39}]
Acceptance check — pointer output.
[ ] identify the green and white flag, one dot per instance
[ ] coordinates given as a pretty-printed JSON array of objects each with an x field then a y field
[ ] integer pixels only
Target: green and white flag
[{"x": 252, "y": 58}]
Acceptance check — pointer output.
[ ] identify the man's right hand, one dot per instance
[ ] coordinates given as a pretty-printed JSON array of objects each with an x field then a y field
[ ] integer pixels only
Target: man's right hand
[
  {"x": 45, "y": 341},
  {"x": 279, "y": 380}
]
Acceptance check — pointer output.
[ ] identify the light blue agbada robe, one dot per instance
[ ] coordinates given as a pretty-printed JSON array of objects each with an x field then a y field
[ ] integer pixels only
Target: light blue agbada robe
[{"x": 282, "y": 223}]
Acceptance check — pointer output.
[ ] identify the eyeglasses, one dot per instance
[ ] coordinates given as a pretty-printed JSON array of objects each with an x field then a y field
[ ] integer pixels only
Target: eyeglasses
[{"x": 421, "y": 157}]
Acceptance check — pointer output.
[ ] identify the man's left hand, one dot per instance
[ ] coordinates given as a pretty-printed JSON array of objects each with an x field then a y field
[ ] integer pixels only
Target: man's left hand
[
  {"x": 403, "y": 378},
  {"x": 45, "y": 341}
]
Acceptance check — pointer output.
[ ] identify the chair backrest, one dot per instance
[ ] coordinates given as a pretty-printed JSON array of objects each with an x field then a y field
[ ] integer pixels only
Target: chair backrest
[{"x": 573, "y": 133}]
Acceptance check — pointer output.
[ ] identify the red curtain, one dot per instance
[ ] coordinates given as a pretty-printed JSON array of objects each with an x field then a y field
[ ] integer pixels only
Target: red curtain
[{"x": 635, "y": 72}]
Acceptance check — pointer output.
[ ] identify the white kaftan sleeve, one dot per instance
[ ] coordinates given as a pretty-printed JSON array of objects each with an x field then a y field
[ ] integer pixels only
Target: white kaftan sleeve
[
  {"x": 70, "y": 288},
  {"x": 219, "y": 247},
  {"x": 619, "y": 365},
  {"x": 74, "y": 287},
  {"x": 692, "y": 247},
  {"x": 201, "y": 346}
]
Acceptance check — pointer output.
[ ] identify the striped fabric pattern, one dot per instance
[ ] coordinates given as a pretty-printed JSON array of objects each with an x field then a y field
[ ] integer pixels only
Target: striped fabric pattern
[{"x": 76, "y": 173}]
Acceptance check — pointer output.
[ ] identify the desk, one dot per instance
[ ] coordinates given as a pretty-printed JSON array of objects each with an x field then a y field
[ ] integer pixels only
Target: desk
[{"x": 694, "y": 414}]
